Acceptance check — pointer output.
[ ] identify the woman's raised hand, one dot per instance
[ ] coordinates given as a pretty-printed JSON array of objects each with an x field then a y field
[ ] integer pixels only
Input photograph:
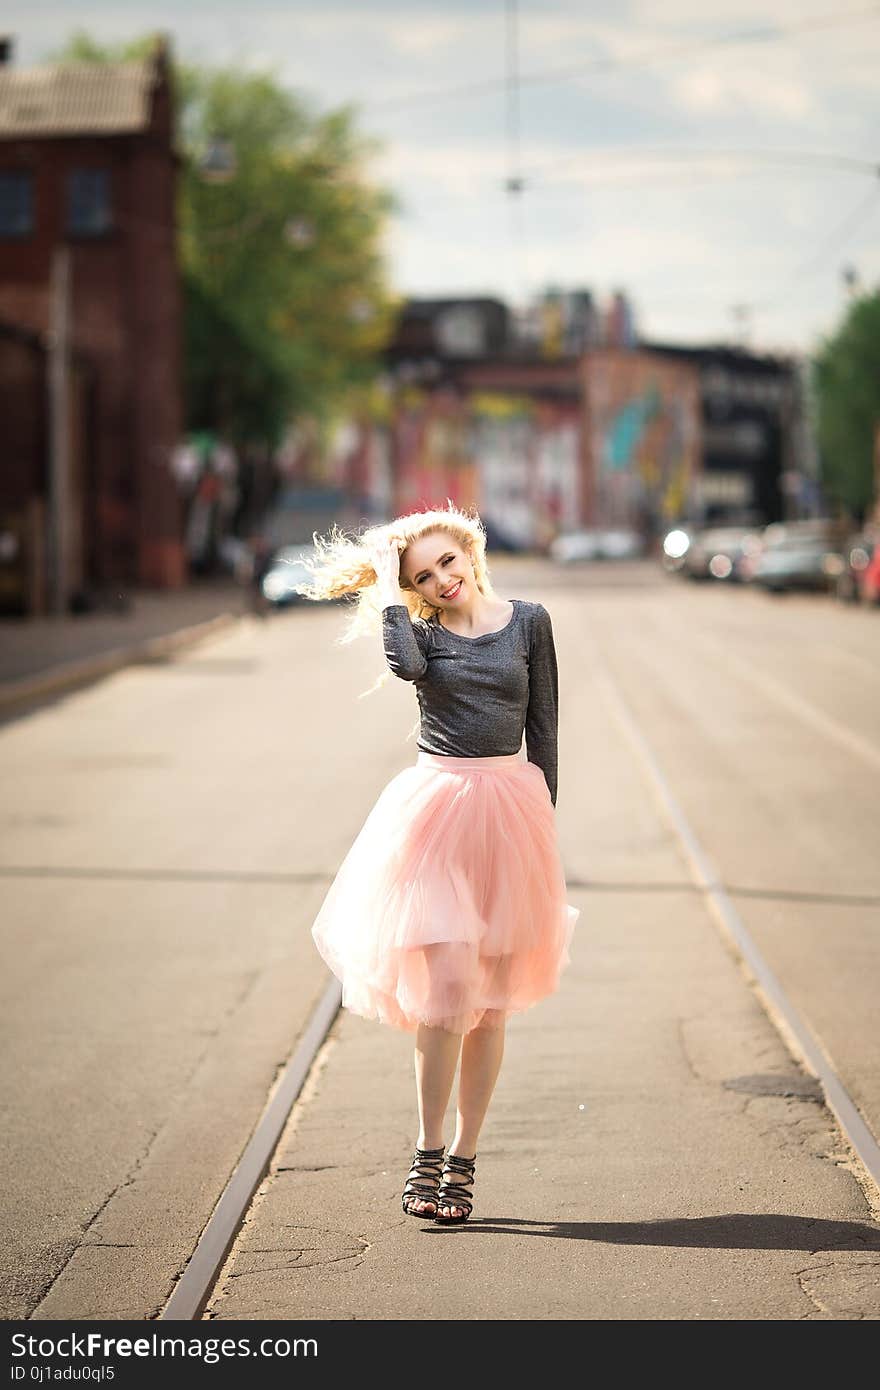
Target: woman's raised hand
[{"x": 385, "y": 558}]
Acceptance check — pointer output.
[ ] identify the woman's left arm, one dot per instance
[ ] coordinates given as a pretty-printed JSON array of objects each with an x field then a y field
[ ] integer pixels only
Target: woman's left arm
[{"x": 542, "y": 715}]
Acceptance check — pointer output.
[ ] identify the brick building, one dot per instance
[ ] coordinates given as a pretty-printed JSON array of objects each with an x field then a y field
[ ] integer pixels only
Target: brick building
[
  {"x": 571, "y": 425},
  {"x": 25, "y": 559},
  {"x": 88, "y": 170}
]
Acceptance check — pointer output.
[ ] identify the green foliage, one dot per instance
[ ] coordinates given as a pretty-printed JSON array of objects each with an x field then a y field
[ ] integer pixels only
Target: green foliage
[
  {"x": 286, "y": 303},
  {"x": 847, "y": 379},
  {"x": 82, "y": 48},
  {"x": 239, "y": 391},
  {"x": 288, "y": 246}
]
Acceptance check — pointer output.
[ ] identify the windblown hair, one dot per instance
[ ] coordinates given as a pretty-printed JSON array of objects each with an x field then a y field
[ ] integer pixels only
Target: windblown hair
[{"x": 342, "y": 565}]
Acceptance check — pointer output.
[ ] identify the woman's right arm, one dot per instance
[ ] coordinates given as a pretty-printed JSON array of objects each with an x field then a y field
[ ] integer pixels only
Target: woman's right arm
[{"x": 404, "y": 644}]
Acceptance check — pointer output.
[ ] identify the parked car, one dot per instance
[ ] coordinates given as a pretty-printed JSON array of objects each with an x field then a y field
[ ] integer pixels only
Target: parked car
[
  {"x": 860, "y": 576},
  {"x": 284, "y": 574},
  {"x": 869, "y": 589},
  {"x": 821, "y": 530},
  {"x": 597, "y": 544},
  {"x": 719, "y": 552},
  {"x": 796, "y": 562},
  {"x": 808, "y": 528},
  {"x": 676, "y": 544}
]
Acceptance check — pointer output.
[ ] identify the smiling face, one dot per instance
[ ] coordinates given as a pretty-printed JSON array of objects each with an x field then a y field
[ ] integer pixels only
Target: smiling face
[{"x": 438, "y": 568}]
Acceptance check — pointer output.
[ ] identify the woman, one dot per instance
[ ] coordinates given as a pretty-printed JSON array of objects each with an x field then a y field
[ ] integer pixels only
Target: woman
[{"x": 449, "y": 911}]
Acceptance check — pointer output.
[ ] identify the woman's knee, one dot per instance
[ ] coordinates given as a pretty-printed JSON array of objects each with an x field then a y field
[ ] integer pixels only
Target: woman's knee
[{"x": 491, "y": 1021}]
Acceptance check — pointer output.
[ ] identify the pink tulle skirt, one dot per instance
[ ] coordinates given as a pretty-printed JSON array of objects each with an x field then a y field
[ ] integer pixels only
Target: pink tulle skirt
[{"x": 450, "y": 907}]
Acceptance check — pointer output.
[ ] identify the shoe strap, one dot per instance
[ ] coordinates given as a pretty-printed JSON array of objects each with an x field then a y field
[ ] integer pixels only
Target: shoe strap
[
  {"x": 454, "y": 1194},
  {"x": 457, "y": 1164},
  {"x": 426, "y": 1164},
  {"x": 457, "y": 1194}
]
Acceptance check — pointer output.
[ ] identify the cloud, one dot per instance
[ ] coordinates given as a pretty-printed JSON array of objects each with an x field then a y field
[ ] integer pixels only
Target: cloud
[
  {"x": 689, "y": 235},
  {"x": 721, "y": 91}
]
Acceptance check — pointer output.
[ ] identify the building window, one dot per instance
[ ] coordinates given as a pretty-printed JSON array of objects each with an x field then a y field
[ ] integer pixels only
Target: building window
[
  {"x": 88, "y": 202},
  {"x": 16, "y": 204}
]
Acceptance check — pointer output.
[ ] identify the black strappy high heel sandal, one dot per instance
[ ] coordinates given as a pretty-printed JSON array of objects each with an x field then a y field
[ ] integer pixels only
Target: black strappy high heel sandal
[
  {"x": 423, "y": 1181},
  {"x": 456, "y": 1194}
]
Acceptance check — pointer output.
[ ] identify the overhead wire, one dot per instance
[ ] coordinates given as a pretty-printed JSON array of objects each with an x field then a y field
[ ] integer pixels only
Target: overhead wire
[
  {"x": 807, "y": 158},
  {"x": 865, "y": 208},
  {"x": 516, "y": 180},
  {"x": 513, "y": 183},
  {"x": 767, "y": 34}
]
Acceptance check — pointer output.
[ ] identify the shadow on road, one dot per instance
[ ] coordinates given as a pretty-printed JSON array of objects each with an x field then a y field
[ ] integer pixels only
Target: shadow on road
[{"x": 736, "y": 1231}]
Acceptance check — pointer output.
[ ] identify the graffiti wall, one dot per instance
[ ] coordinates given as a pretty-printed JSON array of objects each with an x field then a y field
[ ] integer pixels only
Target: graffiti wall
[
  {"x": 514, "y": 458},
  {"x": 431, "y": 452},
  {"x": 641, "y": 437},
  {"x": 618, "y": 445},
  {"x": 527, "y": 457}
]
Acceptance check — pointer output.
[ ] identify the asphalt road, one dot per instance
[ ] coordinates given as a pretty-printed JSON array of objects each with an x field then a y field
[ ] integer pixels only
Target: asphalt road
[
  {"x": 170, "y": 837},
  {"x": 764, "y": 714}
]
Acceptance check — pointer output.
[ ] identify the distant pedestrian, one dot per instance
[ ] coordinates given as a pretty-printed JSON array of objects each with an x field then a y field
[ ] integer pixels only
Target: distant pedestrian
[
  {"x": 449, "y": 912},
  {"x": 262, "y": 557}
]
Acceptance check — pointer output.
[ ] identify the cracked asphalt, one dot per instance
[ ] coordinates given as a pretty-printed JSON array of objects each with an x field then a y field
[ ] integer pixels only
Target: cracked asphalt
[{"x": 653, "y": 1149}]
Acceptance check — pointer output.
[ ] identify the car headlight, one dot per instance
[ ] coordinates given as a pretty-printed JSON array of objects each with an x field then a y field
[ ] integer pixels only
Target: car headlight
[
  {"x": 675, "y": 544},
  {"x": 275, "y": 586}
]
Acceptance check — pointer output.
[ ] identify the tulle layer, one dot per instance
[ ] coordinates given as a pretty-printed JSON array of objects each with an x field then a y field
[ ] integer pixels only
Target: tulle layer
[{"x": 450, "y": 907}]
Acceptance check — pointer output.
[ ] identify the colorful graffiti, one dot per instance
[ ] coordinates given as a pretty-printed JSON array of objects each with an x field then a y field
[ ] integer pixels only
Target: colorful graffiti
[
  {"x": 513, "y": 457},
  {"x": 526, "y": 452},
  {"x": 432, "y": 461},
  {"x": 615, "y": 445},
  {"x": 642, "y": 438}
]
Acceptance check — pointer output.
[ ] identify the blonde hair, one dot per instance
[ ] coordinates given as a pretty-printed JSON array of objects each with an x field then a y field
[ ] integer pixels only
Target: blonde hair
[{"x": 342, "y": 566}]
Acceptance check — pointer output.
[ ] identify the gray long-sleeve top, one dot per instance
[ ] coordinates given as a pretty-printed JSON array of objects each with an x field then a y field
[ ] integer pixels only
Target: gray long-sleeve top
[{"x": 478, "y": 694}]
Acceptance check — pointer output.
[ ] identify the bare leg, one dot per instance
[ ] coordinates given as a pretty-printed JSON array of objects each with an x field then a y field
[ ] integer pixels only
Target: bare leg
[
  {"x": 436, "y": 1057},
  {"x": 481, "y": 1055}
]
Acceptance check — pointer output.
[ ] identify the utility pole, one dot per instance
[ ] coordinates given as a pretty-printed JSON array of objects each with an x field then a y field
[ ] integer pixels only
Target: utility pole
[
  {"x": 59, "y": 430},
  {"x": 742, "y": 317},
  {"x": 513, "y": 183}
]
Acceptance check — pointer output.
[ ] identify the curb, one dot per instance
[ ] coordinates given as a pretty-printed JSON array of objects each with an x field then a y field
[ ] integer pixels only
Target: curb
[{"x": 71, "y": 674}]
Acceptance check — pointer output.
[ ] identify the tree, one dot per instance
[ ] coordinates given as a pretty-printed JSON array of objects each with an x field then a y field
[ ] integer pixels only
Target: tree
[
  {"x": 286, "y": 304},
  {"x": 847, "y": 382}
]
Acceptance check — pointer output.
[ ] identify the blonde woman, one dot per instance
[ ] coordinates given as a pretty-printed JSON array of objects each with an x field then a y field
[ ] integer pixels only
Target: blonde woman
[{"x": 449, "y": 912}]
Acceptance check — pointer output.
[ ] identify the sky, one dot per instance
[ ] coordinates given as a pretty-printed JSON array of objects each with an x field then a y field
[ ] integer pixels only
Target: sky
[{"x": 720, "y": 168}]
